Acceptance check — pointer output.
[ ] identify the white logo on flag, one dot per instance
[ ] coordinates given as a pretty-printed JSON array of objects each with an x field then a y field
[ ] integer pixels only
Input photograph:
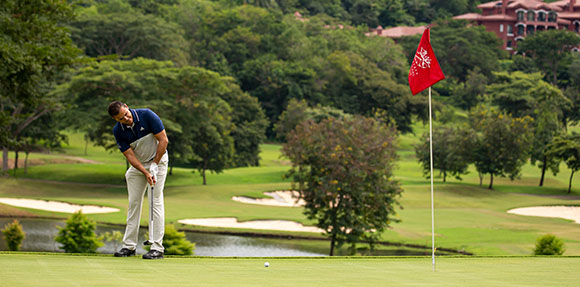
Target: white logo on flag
[{"x": 421, "y": 60}]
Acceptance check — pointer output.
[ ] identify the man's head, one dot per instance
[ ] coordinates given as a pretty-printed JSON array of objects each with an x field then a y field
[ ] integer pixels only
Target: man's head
[{"x": 120, "y": 112}]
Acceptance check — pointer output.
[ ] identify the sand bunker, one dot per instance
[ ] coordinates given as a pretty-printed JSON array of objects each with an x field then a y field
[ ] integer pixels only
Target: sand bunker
[
  {"x": 280, "y": 198},
  {"x": 566, "y": 212},
  {"x": 56, "y": 206},
  {"x": 283, "y": 225}
]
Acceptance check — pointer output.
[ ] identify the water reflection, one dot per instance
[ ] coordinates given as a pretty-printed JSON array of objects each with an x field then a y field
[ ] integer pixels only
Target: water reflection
[{"x": 40, "y": 234}]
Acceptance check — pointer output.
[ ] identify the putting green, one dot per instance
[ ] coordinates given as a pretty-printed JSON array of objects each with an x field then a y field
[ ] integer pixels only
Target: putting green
[{"x": 21, "y": 269}]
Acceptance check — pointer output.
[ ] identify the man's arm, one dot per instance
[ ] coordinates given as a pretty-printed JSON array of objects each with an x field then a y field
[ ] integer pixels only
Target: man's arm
[
  {"x": 162, "y": 146},
  {"x": 130, "y": 155}
]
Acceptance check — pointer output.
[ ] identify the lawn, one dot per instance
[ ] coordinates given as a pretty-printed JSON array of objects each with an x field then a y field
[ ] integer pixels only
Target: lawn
[
  {"x": 58, "y": 270},
  {"x": 467, "y": 217}
]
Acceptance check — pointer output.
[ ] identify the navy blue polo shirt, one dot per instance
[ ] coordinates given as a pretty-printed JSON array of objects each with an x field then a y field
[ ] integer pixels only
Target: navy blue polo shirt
[{"x": 140, "y": 136}]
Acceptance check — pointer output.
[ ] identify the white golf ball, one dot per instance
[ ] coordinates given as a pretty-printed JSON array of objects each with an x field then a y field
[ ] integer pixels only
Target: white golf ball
[{"x": 266, "y": 264}]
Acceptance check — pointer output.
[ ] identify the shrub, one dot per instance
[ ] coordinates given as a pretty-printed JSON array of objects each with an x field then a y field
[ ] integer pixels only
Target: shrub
[
  {"x": 13, "y": 235},
  {"x": 175, "y": 242},
  {"x": 78, "y": 235},
  {"x": 115, "y": 237},
  {"x": 549, "y": 245}
]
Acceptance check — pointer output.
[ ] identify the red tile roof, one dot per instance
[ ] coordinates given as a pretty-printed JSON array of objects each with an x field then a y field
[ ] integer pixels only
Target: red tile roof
[{"x": 397, "y": 32}]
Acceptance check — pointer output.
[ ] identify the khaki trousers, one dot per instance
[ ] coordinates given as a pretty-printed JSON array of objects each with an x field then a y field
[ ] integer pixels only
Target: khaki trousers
[{"x": 136, "y": 187}]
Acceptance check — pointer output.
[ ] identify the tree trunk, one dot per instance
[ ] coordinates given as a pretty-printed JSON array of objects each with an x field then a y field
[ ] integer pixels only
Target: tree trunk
[
  {"x": 332, "y": 243},
  {"x": 203, "y": 171},
  {"x": 570, "y": 184},
  {"x": 491, "y": 181},
  {"x": 86, "y": 145},
  {"x": 26, "y": 163},
  {"x": 544, "y": 162},
  {"x": 480, "y": 178},
  {"x": 4, "y": 160},
  {"x": 170, "y": 169},
  {"x": 15, "y": 161},
  {"x": 444, "y": 176}
]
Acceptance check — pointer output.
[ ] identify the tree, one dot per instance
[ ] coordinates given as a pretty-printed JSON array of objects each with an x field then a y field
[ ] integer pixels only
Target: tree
[
  {"x": 467, "y": 96},
  {"x": 129, "y": 34},
  {"x": 567, "y": 149},
  {"x": 34, "y": 51},
  {"x": 298, "y": 111},
  {"x": 502, "y": 144},
  {"x": 548, "y": 48},
  {"x": 449, "y": 152},
  {"x": 343, "y": 170},
  {"x": 512, "y": 92}
]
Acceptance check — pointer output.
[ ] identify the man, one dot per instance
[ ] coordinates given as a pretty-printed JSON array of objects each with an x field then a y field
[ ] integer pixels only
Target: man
[{"x": 141, "y": 137}]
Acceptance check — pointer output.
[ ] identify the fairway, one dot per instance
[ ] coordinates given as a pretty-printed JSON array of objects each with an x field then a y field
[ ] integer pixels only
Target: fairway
[{"x": 59, "y": 270}]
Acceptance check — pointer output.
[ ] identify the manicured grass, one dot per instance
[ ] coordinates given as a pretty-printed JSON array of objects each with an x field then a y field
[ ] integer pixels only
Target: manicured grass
[
  {"x": 467, "y": 217},
  {"x": 58, "y": 270}
]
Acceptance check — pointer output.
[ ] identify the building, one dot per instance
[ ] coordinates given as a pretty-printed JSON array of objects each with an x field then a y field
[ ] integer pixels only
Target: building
[{"x": 513, "y": 20}]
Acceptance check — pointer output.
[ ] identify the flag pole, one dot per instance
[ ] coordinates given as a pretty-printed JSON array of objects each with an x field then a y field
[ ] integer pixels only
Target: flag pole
[{"x": 431, "y": 163}]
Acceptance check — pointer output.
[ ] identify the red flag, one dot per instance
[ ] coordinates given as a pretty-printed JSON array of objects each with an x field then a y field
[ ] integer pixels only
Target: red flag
[{"x": 425, "y": 70}]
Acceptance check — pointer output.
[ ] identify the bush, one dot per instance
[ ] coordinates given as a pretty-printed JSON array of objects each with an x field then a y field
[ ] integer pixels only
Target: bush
[
  {"x": 549, "y": 245},
  {"x": 78, "y": 235},
  {"x": 13, "y": 235},
  {"x": 175, "y": 242}
]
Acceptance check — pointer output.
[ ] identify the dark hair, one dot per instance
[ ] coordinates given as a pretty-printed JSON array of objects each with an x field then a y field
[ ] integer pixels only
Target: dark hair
[{"x": 115, "y": 107}]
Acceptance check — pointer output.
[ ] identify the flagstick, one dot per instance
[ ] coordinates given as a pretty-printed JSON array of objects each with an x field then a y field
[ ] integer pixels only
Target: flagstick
[{"x": 431, "y": 162}]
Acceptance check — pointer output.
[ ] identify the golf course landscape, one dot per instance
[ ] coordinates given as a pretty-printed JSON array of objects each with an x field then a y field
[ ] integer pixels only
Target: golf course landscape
[{"x": 468, "y": 219}]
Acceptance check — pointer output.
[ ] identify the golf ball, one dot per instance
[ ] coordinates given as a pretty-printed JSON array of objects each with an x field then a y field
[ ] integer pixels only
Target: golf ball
[{"x": 266, "y": 264}]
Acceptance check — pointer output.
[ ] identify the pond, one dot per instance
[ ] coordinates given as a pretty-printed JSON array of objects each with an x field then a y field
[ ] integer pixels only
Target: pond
[{"x": 40, "y": 234}]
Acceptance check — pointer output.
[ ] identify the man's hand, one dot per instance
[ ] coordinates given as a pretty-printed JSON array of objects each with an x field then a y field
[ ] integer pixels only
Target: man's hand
[{"x": 153, "y": 169}]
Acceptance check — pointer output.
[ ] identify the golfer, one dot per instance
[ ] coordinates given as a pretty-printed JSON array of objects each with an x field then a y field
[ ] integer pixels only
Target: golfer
[{"x": 141, "y": 137}]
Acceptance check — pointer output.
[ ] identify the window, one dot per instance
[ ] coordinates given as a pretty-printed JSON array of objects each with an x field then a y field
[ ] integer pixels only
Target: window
[
  {"x": 530, "y": 30},
  {"x": 520, "y": 15},
  {"x": 520, "y": 30},
  {"x": 510, "y": 30},
  {"x": 501, "y": 28},
  {"x": 542, "y": 16},
  {"x": 552, "y": 17},
  {"x": 577, "y": 27},
  {"x": 531, "y": 16},
  {"x": 509, "y": 43}
]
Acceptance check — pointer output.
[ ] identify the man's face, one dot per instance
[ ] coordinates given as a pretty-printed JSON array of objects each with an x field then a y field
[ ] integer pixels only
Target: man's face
[{"x": 124, "y": 116}]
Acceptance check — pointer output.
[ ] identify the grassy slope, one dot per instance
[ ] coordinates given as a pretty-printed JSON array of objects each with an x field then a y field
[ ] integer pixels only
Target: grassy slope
[
  {"x": 58, "y": 270},
  {"x": 467, "y": 216}
]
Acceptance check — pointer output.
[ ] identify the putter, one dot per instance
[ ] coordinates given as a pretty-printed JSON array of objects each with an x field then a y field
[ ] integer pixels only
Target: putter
[{"x": 149, "y": 241}]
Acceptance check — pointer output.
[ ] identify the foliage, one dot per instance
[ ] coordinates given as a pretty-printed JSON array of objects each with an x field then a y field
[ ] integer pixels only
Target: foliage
[
  {"x": 450, "y": 152},
  {"x": 115, "y": 237},
  {"x": 105, "y": 31},
  {"x": 548, "y": 49},
  {"x": 14, "y": 235},
  {"x": 34, "y": 51},
  {"x": 298, "y": 111},
  {"x": 501, "y": 144},
  {"x": 567, "y": 149},
  {"x": 470, "y": 92},
  {"x": 549, "y": 245},
  {"x": 175, "y": 242},
  {"x": 344, "y": 172},
  {"x": 512, "y": 92},
  {"x": 78, "y": 235}
]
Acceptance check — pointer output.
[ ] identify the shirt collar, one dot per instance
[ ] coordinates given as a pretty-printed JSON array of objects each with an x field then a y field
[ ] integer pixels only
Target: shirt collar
[{"x": 135, "y": 119}]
